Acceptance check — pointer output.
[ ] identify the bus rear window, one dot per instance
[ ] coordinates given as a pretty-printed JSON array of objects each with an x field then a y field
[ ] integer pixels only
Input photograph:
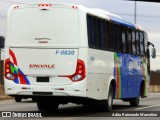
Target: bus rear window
[{"x": 57, "y": 26}]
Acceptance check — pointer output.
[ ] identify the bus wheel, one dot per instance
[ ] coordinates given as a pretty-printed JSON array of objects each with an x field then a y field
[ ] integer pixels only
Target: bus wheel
[
  {"x": 109, "y": 102},
  {"x": 18, "y": 99},
  {"x": 47, "y": 106},
  {"x": 134, "y": 102},
  {"x": 33, "y": 99}
]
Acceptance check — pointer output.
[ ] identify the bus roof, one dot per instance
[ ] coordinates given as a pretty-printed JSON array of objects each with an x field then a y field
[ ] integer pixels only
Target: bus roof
[
  {"x": 117, "y": 19},
  {"x": 111, "y": 17},
  {"x": 123, "y": 22},
  {"x": 97, "y": 12}
]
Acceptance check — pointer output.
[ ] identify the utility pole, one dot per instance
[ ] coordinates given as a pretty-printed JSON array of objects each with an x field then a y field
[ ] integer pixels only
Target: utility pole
[{"x": 135, "y": 11}]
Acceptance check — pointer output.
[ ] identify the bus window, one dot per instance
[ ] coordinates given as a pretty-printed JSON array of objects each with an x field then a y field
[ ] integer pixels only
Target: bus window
[
  {"x": 137, "y": 43},
  {"x": 129, "y": 42},
  {"x": 145, "y": 41},
  {"x": 89, "y": 27},
  {"x": 133, "y": 43},
  {"x": 124, "y": 49},
  {"x": 141, "y": 43},
  {"x": 119, "y": 39},
  {"x": 102, "y": 32},
  {"x": 116, "y": 31},
  {"x": 98, "y": 35},
  {"x": 111, "y": 36},
  {"x": 94, "y": 32},
  {"x": 106, "y": 35}
]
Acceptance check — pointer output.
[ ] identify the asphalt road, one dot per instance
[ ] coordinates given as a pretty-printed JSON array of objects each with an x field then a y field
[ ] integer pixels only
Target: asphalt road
[{"x": 78, "y": 112}]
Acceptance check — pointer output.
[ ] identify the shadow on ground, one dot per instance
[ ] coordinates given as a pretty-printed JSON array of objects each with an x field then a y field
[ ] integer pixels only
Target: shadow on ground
[
  {"x": 86, "y": 111},
  {"x": 80, "y": 111}
]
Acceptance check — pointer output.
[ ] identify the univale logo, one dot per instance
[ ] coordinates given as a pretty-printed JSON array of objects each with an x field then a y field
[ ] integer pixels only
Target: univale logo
[{"x": 42, "y": 66}]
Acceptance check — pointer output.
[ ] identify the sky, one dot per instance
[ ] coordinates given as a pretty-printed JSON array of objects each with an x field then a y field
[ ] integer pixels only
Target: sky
[{"x": 147, "y": 16}]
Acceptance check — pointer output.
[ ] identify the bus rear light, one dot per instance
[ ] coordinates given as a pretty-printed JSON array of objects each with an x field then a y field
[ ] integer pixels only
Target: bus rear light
[
  {"x": 74, "y": 7},
  {"x": 7, "y": 70},
  {"x": 45, "y": 5},
  {"x": 16, "y": 7},
  {"x": 8, "y": 74},
  {"x": 59, "y": 88},
  {"x": 76, "y": 78},
  {"x": 80, "y": 73}
]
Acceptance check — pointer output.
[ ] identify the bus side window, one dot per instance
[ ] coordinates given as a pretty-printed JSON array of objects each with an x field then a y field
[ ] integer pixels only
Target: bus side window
[
  {"x": 102, "y": 36},
  {"x": 98, "y": 34},
  {"x": 119, "y": 39},
  {"x": 145, "y": 42},
  {"x": 124, "y": 49},
  {"x": 111, "y": 36},
  {"x": 94, "y": 32},
  {"x": 89, "y": 28},
  {"x": 91, "y": 21},
  {"x": 115, "y": 37},
  {"x": 106, "y": 35},
  {"x": 137, "y": 43},
  {"x": 133, "y": 43},
  {"x": 129, "y": 42},
  {"x": 141, "y": 43}
]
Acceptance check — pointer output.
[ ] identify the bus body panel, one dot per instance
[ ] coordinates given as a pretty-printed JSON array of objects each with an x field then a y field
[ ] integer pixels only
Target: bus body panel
[
  {"x": 100, "y": 72},
  {"x": 43, "y": 63},
  {"x": 129, "y": 72},
  {"x": 43, "y": 27},
  {"x": 39, "y": 43},
  {"x": 75, "y": 89}
]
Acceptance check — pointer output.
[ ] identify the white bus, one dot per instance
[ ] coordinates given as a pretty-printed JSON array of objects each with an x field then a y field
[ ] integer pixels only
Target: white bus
[{"x": 58, "y": 53}]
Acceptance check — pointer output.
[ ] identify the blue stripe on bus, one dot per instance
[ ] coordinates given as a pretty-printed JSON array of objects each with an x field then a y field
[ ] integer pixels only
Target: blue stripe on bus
[
  {"x": 129, "y": 76},
  {"x": 123, "y": 22}
]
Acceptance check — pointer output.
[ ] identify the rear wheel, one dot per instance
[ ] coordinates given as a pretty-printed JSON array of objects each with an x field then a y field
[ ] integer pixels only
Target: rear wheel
[
  {"x": 109, "y": 101},
  {"x": 47, "y": 106},
  {"x": 134, "y": 102},
  {"x": 18, "y": 99},
  {"x": 33, "y": 99}
]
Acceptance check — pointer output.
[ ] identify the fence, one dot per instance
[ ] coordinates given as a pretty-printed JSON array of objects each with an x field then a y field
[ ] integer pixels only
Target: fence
[{"x": 155, "y": 81}]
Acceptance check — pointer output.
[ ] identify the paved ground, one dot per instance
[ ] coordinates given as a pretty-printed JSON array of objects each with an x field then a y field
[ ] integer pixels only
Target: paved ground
[{"x": 77, "y": 112}]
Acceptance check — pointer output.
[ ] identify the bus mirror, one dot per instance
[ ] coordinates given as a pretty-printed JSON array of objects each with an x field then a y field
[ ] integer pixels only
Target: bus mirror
[{"x": 153, "y": 52}]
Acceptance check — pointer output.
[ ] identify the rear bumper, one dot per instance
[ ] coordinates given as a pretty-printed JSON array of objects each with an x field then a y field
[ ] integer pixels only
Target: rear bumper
[{"x": 76, "y": 89}]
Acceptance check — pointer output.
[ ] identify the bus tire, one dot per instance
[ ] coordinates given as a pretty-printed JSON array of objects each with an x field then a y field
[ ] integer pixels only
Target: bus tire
[
  {"x": 109, "y": 101},
  {"x": 134, "y": 102},
  {"x": 18, "y": 99},
  {"x": 33, "y": 99},
  {"x": 47, "y": 106}
]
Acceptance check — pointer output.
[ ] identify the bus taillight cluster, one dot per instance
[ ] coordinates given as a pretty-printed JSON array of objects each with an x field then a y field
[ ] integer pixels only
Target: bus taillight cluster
[
  {"x": 8, "y": 74},
  {"x": 80, "y": 73}
]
